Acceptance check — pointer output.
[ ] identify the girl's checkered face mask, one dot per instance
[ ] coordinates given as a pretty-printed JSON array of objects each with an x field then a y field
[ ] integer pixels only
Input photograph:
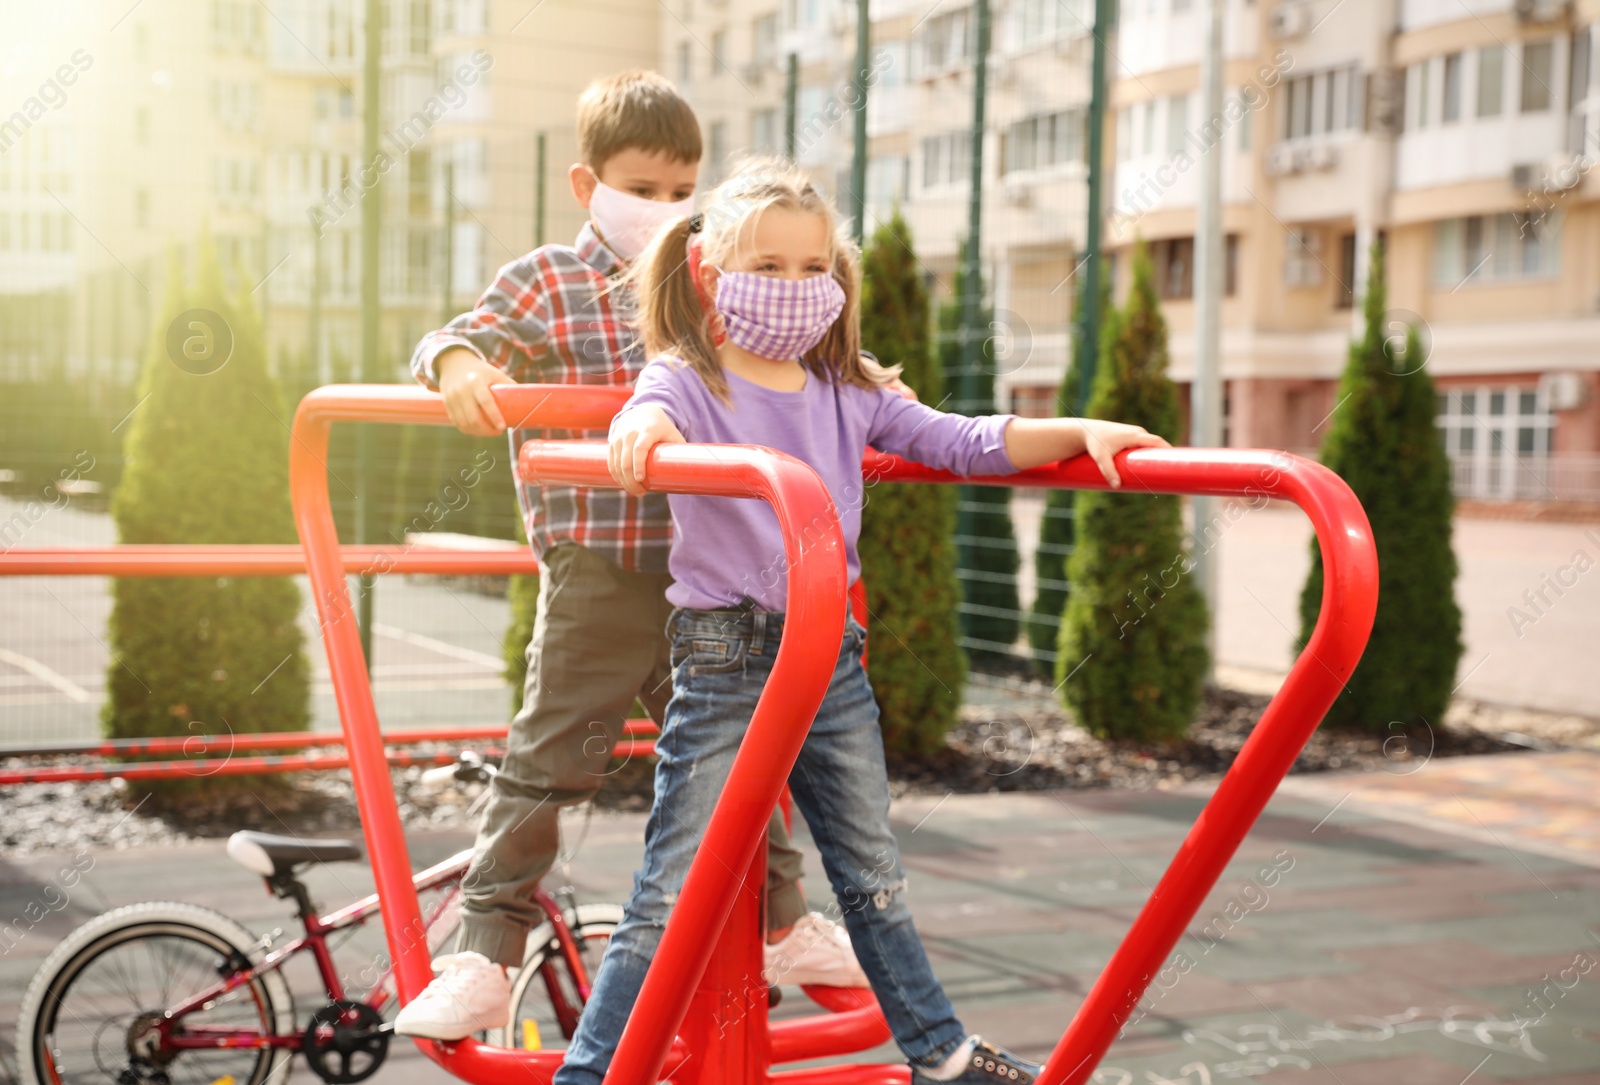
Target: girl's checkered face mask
[{"x": 778, "y": 318}]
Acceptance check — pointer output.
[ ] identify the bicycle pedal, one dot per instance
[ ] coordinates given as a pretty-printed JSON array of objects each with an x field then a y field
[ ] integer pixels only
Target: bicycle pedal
[{"x": 774, "y": 996}]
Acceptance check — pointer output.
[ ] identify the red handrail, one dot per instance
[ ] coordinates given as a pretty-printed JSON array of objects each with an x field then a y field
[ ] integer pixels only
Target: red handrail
[
  {"x": 256, "y": 559},
  {"x": 1349, "y": 601}
]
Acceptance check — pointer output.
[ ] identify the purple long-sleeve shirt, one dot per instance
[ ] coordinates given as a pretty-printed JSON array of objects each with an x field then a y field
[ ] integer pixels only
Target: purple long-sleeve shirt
[{"x": 724, "y": 550}]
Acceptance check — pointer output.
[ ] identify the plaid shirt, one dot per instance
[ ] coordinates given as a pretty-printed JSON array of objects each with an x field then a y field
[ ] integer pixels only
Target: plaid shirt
[{"x": 552, "y": 317}]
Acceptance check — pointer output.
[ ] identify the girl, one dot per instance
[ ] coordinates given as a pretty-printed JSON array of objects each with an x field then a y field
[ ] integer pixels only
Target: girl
[{"x": 749, "y": 315}]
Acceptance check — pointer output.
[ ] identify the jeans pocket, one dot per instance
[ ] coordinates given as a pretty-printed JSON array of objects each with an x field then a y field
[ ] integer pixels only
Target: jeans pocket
[{"x": 707, "y": 653}]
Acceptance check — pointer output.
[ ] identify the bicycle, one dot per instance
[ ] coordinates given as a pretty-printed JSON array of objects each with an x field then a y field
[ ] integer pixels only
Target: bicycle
[{"x": 167, "y": 993}]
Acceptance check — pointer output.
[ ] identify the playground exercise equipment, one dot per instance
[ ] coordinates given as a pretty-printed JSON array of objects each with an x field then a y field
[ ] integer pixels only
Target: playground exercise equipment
[{"x": 702, "y": 1013}]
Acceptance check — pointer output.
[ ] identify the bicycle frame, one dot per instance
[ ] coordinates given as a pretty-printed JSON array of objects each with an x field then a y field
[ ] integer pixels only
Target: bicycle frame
[
  {"x": 315, "y": 940},
  {"x": 710, "y": 948}
]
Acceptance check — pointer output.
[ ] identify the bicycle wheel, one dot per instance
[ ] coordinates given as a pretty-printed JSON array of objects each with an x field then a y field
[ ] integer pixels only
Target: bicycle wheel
[
  {"x": 88, "y": 1016},
  {"x": 537, "y": 1021}
]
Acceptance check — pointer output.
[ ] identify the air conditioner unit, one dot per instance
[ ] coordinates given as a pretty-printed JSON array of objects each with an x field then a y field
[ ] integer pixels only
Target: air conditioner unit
[
  {"x": 753, "y": 71},
  {"x": 1280, "y": 160},
  {"x": 1524, "y": 176},
  {"x": 1563, "y": 391},
  {"x": 1018, "y": 193},
  {"x": 1323, "y": 156},
  {"x": 1291, "y": 20},
  {"x": 1542, "y": 11}
]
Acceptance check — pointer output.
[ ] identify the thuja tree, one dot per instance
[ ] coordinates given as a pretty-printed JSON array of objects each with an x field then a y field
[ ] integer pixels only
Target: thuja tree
[
  {"x": 1383, "y": 442},
  {"x": 1132, "y": 655},
  {"x": 986, "y": 551},
  {"x": 908, "y": 559},
  {"x": 207, "y": 462},
  {"x": 1056, "y": 528}
]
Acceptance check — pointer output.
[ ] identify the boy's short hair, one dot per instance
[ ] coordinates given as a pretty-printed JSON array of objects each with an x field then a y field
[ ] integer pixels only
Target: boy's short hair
[{"x": 635, "y": 109}]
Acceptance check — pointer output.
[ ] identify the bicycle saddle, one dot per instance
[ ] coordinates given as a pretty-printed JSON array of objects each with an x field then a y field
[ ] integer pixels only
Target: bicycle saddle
[{"x": 269, "y": 855}]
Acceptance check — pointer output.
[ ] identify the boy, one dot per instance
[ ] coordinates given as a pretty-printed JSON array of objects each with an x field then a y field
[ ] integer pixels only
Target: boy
[{"x": 555, "y": 316}]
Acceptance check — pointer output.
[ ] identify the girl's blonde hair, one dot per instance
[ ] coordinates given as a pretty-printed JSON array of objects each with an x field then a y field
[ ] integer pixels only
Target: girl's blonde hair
[{"x": 671, "y": 319}]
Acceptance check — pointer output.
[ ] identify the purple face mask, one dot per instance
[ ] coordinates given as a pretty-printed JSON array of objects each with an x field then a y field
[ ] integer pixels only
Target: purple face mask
[{"x": 778, "y": 318}]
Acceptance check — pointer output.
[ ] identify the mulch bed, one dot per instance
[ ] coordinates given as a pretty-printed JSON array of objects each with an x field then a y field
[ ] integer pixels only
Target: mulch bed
[{"x": 1033, "y": 746}]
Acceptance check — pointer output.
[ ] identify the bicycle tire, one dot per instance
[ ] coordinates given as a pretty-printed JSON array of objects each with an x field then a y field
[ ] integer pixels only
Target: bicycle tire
[
  {"x": 589, "y": 922},
  {"x": 164, "y": 919}
]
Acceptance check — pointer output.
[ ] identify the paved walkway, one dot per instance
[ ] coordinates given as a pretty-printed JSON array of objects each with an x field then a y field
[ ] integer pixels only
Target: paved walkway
[
  {"x": 1544, "y": 659},
  {"x": 1406, "y": 929}
]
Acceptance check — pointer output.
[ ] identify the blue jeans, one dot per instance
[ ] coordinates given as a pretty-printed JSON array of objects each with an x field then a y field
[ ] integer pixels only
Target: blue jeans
[{"x": 721, "y": 661}]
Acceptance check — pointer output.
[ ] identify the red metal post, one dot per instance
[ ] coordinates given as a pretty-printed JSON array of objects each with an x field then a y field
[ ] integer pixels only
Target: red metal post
[
  {"x": 570, "y": 407},
  {"x": 817, "y": 590}
]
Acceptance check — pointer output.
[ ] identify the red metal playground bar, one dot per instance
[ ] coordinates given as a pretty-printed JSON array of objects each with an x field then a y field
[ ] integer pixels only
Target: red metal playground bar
[
  {"x": 219, "y": 754},
  {"x": 702, "y": 1015}
]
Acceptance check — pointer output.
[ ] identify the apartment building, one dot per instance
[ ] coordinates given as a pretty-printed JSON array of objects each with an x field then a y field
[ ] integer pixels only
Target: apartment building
[
  {"x": 1456, "y": 137},
  {"x": 245, "y": 120}
]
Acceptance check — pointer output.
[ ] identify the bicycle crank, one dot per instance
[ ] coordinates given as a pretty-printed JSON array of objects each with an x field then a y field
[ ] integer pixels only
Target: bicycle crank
[{"x": 345, "y": 1042}]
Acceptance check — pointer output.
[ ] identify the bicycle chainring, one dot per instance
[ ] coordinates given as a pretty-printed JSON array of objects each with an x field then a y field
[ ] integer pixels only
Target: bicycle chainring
[{"x": 345, "y": 1042}]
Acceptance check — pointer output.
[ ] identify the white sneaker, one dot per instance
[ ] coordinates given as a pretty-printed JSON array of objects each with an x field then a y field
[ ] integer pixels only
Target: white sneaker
[
  {"x": 815, "y": 951},
  {"x": 470, "y": 994}
]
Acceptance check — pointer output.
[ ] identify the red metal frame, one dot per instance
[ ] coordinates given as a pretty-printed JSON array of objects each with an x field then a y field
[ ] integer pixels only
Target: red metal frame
[
  {"x": 717, "y": 916},
  {"x": 1349, "y": 601}
]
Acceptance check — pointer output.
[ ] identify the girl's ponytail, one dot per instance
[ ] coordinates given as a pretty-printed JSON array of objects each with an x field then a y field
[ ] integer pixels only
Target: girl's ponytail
[{"x": 671, "y": 319}]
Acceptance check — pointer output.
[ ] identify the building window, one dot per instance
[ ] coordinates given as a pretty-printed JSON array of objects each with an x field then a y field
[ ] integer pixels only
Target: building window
[
  {"x": 1041, "y": 21},
  {"x": 718, "y": 147},
  {"x": 719, "y": 53},
  {"x": 1498, "y": 440},
  {"x": 1047, "y": 140},
  {"x": 141, "y": 209},
  {"x": 1302, "y": 258},
  {"x": 1173, "y": 260},
  {"x": 946, "y": 159},
  {"x": 1418, "y": 77},
  {"x": 421, "y": 26},
  {"x": 764, "y": 41},
  {"x": 1491, "y": 80},
  {"x": 1177, "y": 122},
  {"x": 1450, "y": 105},
  {"x": 1319, "y": 103},
  {"x": 1346, "y": 297},
  {"x": 765, "y": 129},
  {"x": 945, "y": 42},
  {"x": 1536, "y": 76},
  {"x": 685, "y": 62},
  {"x": 1124, "y": 134},
  {"x": 886, "y": 183},
  {"x": 1495, "y": 248},
  {"x": 1033, "y": 401}
]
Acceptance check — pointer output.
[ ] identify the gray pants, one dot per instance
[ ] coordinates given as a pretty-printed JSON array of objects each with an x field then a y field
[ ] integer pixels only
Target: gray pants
[{"x": 599, "y": 642}]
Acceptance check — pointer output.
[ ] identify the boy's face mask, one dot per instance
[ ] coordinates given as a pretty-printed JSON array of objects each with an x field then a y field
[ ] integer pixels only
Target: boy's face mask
[
  {"x": 778, "y": 318},
  {"x": 627, "y": 223}
]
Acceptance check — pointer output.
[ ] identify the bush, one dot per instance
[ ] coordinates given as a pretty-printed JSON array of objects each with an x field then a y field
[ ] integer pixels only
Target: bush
[
  {"x": 1135, "y": 622},
  {"x": 208, "y": 460},
  {"x": 986, "y": 543},
  {"x": 1056, "y": 532},
  {"x": 908, "y": 558},
  {"x": 1383, "y": 442}
]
